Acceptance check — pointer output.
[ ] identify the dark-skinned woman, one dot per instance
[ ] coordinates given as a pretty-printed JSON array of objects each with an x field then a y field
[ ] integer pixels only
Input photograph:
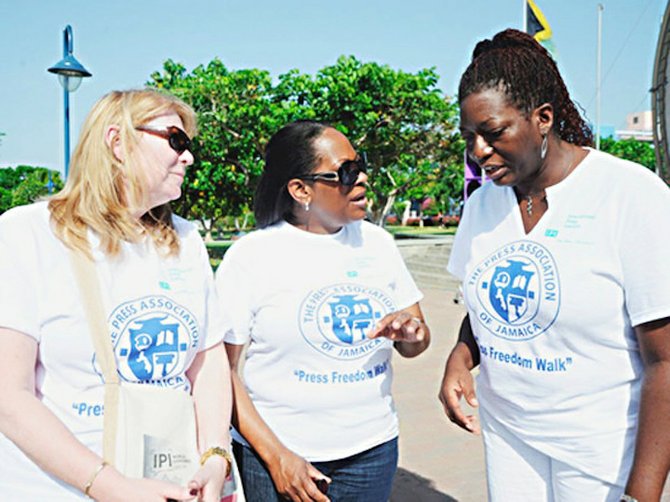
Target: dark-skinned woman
[
  {"x": 563, "y": 259},
  {"x": 322, "y": 298}
]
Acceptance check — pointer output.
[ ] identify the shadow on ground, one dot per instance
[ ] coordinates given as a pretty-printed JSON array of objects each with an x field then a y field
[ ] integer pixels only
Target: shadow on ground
[{"x": 408, "y": 486}]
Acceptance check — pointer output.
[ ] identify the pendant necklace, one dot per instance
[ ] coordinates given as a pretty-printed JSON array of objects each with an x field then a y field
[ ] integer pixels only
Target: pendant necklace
[{"x": 529, "y": 197}]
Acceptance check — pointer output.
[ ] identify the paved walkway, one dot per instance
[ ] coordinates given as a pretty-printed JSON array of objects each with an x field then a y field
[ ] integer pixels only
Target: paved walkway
[{"x": 439, "y": 462}]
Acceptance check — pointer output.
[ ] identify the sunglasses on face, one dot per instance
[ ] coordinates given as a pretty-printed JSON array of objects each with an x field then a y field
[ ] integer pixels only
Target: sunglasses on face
[
  {"x": 346, "y": 174},
  {"x": 177, "y": 139}
]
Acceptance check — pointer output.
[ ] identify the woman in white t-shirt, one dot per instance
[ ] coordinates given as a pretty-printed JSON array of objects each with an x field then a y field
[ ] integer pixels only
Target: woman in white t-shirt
[
  {"x": 158, "y": 294},
  {"x": 322, "y": 298},
  {"x": 563, "y": 258}
]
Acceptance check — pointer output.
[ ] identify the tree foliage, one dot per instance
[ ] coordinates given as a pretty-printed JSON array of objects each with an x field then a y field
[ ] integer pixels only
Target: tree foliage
[
  {"x": 25, "y": 184},
  {"x": 401, "y": 120},
  {"x": 236, "y": 117},
  {"x": 630, "y": 149}
]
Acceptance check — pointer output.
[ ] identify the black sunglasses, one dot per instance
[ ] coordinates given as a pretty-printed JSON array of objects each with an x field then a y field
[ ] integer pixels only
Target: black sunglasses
[
  {"x": 346, "y": 174},
  {"x": 177, "y": 139}
]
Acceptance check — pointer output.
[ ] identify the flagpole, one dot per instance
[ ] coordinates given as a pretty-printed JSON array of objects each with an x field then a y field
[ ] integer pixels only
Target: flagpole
[{"x": 598, "y": 76}]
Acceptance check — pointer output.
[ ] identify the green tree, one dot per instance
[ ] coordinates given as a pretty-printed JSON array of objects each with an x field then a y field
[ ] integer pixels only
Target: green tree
[
  {"x": 25, "y": 184},
  {"x": 236, "y": 116},
  {"x": 402, "y": 120},
  {"x": 630, "y": 149}
]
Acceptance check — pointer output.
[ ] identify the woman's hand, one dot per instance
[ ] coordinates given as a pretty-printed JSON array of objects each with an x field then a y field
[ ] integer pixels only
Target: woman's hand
[
  {"x": 111, "y": 486},
  {"x": 400, "y": 326},
  {"x": 208, "y": 482},
  {"x": 407, "y": 329},
  {"x": 295, "y": 478},
  {"x": 456, "y": 384}
]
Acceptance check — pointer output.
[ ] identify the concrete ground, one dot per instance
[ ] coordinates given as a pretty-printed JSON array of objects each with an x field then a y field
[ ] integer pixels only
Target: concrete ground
[{"x": 439, "y": 462}]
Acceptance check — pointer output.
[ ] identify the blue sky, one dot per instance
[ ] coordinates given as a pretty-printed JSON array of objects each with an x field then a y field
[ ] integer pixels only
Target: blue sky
[{"x": 123, "y": 41}]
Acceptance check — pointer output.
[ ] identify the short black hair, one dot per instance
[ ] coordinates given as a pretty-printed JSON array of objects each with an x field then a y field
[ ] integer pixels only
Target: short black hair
[
  {"x": 289, "y": 153},
  {"x": 516, "y": 64}
]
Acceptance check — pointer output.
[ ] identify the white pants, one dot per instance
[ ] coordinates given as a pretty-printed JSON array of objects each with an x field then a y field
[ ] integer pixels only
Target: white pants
[{"x": 517, "y": 472}]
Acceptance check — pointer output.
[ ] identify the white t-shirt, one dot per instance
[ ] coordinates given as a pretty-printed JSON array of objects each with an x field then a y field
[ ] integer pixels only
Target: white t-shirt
[
  {"x": 306, "y": 301},
  {"x": 553, "y": 311},
  {"x": 161, "y": 313}
]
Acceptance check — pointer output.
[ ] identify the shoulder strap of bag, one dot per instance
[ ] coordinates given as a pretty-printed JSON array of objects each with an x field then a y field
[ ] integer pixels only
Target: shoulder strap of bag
[{"x": 89, "y": 286}]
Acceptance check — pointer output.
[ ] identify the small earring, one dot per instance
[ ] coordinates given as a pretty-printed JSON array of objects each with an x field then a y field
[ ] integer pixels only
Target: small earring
[
  {"x": 307, "y": 206},
  {"x": 543, "y": 147}
]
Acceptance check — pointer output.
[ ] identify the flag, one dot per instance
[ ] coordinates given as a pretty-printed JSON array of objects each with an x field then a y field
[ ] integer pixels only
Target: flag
[{"x": 537, "y": 25}]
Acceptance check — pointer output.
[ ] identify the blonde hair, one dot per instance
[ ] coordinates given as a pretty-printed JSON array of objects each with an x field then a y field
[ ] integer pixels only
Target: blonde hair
[{"x": 101, "y": 190}]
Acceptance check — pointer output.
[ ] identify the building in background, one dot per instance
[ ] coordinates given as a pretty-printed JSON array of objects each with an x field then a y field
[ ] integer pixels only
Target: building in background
[{"x": 639, "y": 125}]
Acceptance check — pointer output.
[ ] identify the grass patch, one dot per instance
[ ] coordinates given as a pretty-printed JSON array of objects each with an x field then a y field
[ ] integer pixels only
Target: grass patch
[
  {"x": 399, "y": 231},
  {"x": 216, "y": 250},
  {"x": 219, "y": 245}
]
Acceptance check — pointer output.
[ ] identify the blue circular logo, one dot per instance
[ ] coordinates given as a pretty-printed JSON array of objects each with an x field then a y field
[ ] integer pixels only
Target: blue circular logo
[
  {"x": 151, "y": 337},
  {"x": 336, "y": 319},
  {"x": 518, "y": 291}
]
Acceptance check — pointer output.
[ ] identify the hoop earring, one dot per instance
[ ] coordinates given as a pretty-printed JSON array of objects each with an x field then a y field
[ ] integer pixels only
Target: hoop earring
[{"x": 544, "y": 146}]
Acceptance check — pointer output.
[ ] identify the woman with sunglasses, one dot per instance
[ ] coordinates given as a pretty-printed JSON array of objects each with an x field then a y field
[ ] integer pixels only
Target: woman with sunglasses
[
  {"x": 322, "y": 298},
  {"x": 158, "y": 298}
]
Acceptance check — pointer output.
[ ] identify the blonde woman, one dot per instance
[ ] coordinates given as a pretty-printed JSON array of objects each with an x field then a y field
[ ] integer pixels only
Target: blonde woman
[{"x": 154, "y": 278}]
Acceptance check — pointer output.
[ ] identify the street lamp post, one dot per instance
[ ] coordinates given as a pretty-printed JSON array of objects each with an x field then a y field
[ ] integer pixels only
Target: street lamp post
[{"x": 70, "y": 72}]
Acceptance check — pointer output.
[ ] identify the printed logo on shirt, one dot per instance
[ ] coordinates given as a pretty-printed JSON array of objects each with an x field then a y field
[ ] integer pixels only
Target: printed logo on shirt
[
  {"x": 335, "y": 320},
  {"x": 151, "y": 337},
  {"x": 518, "y": 291}
]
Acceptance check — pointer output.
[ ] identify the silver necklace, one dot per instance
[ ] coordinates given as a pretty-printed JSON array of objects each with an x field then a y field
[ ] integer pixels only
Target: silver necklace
[
  {"x": 529, "y": 197},
  {"x": 529, "y": 205}
]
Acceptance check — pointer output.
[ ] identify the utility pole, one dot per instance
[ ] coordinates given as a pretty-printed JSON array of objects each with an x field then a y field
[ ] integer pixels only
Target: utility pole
[{"x": 599, "y": 57}]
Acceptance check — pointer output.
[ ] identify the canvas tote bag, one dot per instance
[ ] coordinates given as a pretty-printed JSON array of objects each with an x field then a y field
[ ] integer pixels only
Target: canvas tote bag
[{"x": 148, "y": 431}]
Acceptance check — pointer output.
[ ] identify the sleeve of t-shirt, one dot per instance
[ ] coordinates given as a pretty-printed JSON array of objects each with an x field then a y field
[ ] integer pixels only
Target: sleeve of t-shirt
[
  {"x": 644, "y": 240},
  {"x": 215, "y": 322},
  {"x": 18, "y": 305},
  {"x": 460, "y": 250},
  {"x": 234, "y": 283},
  {"x": 407, "y": 293}
]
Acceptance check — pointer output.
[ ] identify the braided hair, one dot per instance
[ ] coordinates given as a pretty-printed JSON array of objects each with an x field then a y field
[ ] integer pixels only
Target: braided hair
[{"x": 516, "y": 64}]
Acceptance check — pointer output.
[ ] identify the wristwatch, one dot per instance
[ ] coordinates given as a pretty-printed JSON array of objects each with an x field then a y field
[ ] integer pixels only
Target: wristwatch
[{"x": 627, "y": 498}]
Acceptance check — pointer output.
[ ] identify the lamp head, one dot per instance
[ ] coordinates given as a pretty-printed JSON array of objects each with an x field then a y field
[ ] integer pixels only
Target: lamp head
[
  {"x": 70, "y": 72},
  {"x": 69, "y": 67}
]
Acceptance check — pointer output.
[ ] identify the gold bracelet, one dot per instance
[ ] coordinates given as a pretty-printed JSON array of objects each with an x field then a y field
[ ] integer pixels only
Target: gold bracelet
[
  {"x": 217, "y": 450},
  {"x": 87, "y": 486}
]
